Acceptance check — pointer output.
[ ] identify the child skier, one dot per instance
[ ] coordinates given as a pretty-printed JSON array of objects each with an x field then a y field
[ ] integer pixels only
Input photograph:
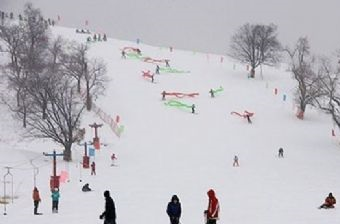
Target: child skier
[{"x": 55, "y": 200}]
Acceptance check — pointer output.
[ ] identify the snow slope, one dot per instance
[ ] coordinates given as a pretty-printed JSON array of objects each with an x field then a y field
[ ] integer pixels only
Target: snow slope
[{"x": 165, "y": 150}]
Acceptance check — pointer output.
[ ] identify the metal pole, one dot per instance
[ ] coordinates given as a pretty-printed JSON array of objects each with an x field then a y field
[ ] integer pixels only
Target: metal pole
[{"x": 5, "y": 213}]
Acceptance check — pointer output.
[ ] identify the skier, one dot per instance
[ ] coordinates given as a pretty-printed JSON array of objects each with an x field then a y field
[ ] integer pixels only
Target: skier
[
  {"x": 163, "y": 95},
  {"x": 152, "y": 78},
  {"x": 123, "y": 54},
  {"x": 94, "y": 37},
  {"x": 109, "y": 215},
  {"x": 213, "y": 208},
  {"x": 93, "y": 168},
  {"x": 167, "y": 63},
  {"x": 235, "y": 161},
  {"x": 36, "y": 200},
  {"x": 193, "y": 108},
  {"x": 329, "y": 202},
  {"x": 104, "y": 37},
  {"x": 138, "y": 51},
  {"x": 248, "y": 118},
  {"x": 113, "y": 158},
  {"x": 281, "y": 152},
  {"x": 174, "y": 210},
  {"x": 212, "y": 93},
  {"x": 157, "y": 69},
  {"x": 86, "y": 188},
  {"x": 55, "y": 200}
]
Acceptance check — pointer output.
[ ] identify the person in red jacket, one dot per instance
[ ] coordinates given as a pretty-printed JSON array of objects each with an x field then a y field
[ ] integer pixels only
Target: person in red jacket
[
  {"x": 36, "y": 200},
  {"x": 213, "y": 208},
  {"x": 329, "y": 202}
]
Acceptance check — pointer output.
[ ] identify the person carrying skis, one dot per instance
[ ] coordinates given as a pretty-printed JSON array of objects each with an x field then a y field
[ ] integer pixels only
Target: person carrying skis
[
  {"x": 329, "y": 202},
  {"x": 55, "y": 200},
  {"x": 36, "y": 200},
  {"x": 213, "y": 208},
  {"x": 109, "y": 215},
  {"x": 174, "y": 210}
]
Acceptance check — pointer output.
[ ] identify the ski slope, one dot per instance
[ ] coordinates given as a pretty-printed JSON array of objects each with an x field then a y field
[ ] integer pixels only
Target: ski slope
[{"x": 167, "y": 150}]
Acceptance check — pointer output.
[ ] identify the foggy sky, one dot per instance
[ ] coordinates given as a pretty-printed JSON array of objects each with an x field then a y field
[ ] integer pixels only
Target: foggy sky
[{"x": 200, "y": 25}]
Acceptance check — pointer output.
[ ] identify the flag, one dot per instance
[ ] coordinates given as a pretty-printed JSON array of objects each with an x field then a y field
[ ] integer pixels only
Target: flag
[{"x": 91, "y": 151}]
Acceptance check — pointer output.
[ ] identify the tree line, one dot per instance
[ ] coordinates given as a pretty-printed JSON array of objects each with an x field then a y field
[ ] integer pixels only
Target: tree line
[
  {"x": 48, "y": 79},
  {"x": 317, "y": 77}
]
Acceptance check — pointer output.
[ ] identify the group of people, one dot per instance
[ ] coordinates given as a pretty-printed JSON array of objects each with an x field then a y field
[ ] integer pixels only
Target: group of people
[
  {"x": 55, "y": 195},
  {"x": 174, "y": 209}
]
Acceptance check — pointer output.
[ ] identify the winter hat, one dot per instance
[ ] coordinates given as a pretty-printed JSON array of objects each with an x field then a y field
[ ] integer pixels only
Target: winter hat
[
  {"x": 106, "y": 194},
  {"x": 211, "y": 193},
  {"x": 174, "y": 197}
]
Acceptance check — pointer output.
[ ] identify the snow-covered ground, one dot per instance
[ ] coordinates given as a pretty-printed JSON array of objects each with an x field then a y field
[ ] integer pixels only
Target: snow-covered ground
[{"x": 166, "y": 150}]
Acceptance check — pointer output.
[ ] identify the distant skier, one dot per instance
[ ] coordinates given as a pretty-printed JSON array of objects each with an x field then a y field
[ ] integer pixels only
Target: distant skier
[
  {"x": 329, "y": 202},
  {"x": 157, "y": 69},
  {"x": 123, "y": 54},
  {"x": 109, "y": 215},
  {"x": 113, "y": 158},
  {"x": 36, "y": 200},
  {"x": 212, "y": 94},
  {"x": 174, "y": 210},
  {"x": 163, "y": 95},
  {"x": 93, "y": 168},
  {"x": 95, "y": 37},
  {"x": 235, "y": 163},
  {"x": 193, "y": 108},
  {"x": 139, "y": 52},
  {"x": 152, "y": 78},
  {"x": 104, "y": 37},
  {"x": 248, "y": 118},
  {"x": 280, "y": 152},
  {"x": 86, "y": 188},
  {"x": 213, "y": 208},
  {"x": 55, "y": 200},
  {"x": 167, "y": 63}
]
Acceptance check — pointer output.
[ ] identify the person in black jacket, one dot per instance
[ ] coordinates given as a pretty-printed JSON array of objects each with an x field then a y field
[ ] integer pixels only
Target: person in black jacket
[
  {"x": 174, "y": 210},
  {"x": 109, "y": 215}
]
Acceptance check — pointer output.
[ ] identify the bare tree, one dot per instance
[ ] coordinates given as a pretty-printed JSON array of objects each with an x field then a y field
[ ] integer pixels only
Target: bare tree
[
  {"x": 304, "y": 69},
  {"x": 75, "y": 61},
  {"x": 255, "y": 45},
  {"x": 63, "y": 116},
  {"x": 92, "y": 71},
  {"x": 329, "y": 85},
  {"x": 95, "y": 80}
]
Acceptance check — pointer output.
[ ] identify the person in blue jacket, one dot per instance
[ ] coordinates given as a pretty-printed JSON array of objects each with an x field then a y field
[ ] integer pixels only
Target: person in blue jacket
[
  {"x": 174, "y": 210},
  {"x": 55, "y": 200}
]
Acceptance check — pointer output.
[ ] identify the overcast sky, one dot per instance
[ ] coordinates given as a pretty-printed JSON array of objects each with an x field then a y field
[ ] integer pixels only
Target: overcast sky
[{"x": 201, "y": 25}]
